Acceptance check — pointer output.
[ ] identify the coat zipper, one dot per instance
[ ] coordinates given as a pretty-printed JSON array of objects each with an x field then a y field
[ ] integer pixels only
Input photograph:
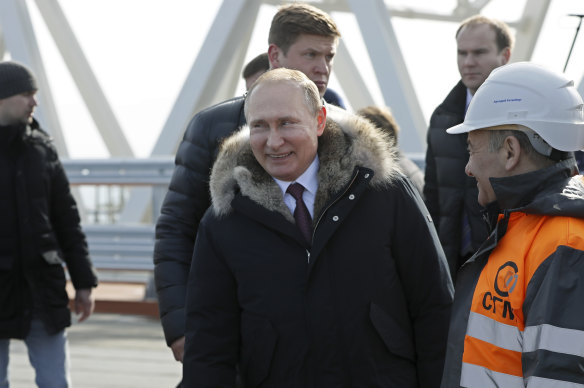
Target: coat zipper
[{"x": 329, "y": 206}]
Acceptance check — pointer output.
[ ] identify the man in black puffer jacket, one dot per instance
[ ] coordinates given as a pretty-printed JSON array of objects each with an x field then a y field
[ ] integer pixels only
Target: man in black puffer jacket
[
  {"x": 39, "y": 233},
  {"x": 301, "y": 37},
  {"x": 451, "y": 197}
]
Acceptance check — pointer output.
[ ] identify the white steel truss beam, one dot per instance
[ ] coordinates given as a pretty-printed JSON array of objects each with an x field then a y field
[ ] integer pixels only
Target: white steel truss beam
[
  {"x": 2, "y": 44},
  {"x": 466, "y": 8},
  {"x": 21, "y": 43},
  {"x": 391, "y": 71},
  {"x": 528, "y": 29},
  {"x": 215, "y": 73},
  {"x": 83, "y": 76},
  {"x": 228, "y": 34},
  {"x": 212, "y": 78},
  {"x": 350, "y": 78}
]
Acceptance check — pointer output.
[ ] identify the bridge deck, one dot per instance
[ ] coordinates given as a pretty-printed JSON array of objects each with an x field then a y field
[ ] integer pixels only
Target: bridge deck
[{"x": 109, "y": 351}]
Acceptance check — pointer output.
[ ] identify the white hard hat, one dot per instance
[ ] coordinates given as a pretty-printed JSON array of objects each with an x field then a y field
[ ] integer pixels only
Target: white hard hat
[{"x": 530, "y": 95}]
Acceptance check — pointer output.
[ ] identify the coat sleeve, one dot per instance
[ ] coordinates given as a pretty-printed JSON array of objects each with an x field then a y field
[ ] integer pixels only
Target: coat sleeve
[
  {"x": 183, "y": 207},
  {"x": 66, "y": 224},
  {"x": 431, "y": 181},
  {"x": 553, "y": 339},
  {"x": 426, "y": 282},
  {"x": 212, "y": 317},
  {"x": 176, "y": 228}
]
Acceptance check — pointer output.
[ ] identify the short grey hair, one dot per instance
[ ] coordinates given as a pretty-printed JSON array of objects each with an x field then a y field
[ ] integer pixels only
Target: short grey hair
[
  {"x": 497, "y": 138},
  {"x": 311, "y": 93}
]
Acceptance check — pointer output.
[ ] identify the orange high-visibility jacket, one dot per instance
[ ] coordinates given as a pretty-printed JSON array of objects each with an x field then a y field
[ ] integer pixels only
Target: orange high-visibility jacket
[{"x": 518, "y": 314}]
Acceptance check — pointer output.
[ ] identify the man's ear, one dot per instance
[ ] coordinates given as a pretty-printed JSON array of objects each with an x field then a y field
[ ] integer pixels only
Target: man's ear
[
  {"x": 506, "y": 55},
  {"x": 321, "y": 121},
  {"x": 511, "y": 151},
  {"x": 274, "y": 53}
]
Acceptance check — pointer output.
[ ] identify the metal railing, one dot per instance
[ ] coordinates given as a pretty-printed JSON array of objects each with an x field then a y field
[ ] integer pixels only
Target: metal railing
[
  {"x": 103, "y": 186},
  {"x": 119, "y": 252}
]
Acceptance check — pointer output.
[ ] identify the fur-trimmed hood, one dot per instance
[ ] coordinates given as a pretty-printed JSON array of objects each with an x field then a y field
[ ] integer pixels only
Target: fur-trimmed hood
[{"x": 348, "y": 141}]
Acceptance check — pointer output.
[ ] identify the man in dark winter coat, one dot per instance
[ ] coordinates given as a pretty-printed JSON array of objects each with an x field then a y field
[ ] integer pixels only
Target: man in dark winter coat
[
  {"x": 340, "y": 284},
  {"x": 39, "y": 233},
  {"x": 301, "y": 37},
  {"x": 483, "y": 44}
]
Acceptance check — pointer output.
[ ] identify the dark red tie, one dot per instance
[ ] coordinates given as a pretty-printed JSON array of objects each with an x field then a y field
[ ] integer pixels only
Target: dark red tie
[{"x": 301, "y": 214}]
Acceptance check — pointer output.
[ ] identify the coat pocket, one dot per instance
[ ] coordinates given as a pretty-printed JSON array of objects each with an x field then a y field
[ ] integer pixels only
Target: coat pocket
[
  {"x": 52, "y": 257},
  {"x": 397, "y": 340},
  {"x": 259, "y": 340}
]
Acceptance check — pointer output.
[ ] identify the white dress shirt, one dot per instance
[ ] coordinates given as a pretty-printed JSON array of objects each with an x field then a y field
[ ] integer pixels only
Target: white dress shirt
[
  {"x": 468, "y": 98},
  {"x": 309, "y": 179}
]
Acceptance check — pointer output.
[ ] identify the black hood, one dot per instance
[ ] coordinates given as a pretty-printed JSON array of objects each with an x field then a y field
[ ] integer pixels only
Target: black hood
[{"x": 550, "y": 191}]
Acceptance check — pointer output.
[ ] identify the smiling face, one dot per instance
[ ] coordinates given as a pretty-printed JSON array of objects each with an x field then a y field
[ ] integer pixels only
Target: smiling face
[
  {"x": 311, "y": 54},
  {"x": 284, "y": 130},
  {"x": 17, "y": 109},
  {"x": 484, "y": 164},
  {"x": 478, "y": 54}
]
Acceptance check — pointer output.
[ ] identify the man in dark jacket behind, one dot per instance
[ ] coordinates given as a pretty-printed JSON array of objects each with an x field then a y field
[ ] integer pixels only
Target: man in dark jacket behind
[
  {"x": 39, "y": 233},
  {"x": 483, "y": 44},
  {"x": 301, "y": 37},
  {"x": 317, "y": 265}
]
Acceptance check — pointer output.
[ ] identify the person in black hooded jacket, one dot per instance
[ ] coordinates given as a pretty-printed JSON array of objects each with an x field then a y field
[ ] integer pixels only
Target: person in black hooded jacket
[{"x": 40, "y": 232}]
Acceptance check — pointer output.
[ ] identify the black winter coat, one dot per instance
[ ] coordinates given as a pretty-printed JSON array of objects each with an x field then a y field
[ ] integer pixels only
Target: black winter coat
[
  {"x": 45, "y": 235},
  {"x": 367, "y": 305},
  {"x": 448, "y": 191},
  {"x": 184, "y": 205}
]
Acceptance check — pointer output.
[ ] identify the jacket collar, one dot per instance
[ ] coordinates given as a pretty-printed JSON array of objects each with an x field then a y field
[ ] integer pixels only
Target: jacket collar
[
  {"x": 9, "y": 134},
  {"x": 550, "y": 191},
  {"x": 455, "y": 102},
  {"x": 348, "y": 142},
  {"x": 13, "y": 136}
]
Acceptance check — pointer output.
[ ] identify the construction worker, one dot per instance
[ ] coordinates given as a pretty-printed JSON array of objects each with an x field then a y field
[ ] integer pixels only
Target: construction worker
[{"x": 517, "y": 318}]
